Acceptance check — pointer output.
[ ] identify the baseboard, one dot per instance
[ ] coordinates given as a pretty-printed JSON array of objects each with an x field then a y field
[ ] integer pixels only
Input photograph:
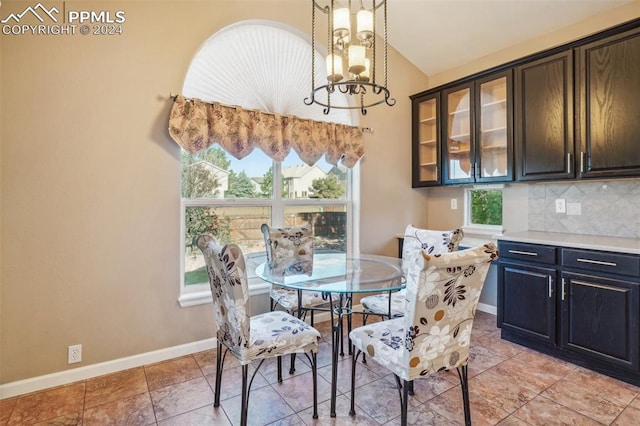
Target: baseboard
[
  {"x": 82, "y": 373},
  {"x": 490, "y": 309}
]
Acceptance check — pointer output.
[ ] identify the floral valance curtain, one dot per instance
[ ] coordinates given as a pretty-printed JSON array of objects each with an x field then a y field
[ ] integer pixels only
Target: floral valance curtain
[{"x": 196, "y": 125}]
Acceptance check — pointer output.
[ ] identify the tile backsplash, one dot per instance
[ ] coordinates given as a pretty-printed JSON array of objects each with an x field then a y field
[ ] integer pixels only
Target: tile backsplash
[{"x": 610, "y": 208}]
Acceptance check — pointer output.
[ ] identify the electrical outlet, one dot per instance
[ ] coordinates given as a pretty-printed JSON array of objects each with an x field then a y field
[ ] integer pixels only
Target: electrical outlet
[
  {"x": 454, "y": 204},
  {"x": 74, "y": 354},
  {"x": 561, "y": 206}
]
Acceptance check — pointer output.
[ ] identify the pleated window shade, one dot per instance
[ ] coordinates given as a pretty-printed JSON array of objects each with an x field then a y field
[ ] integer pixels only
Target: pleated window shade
[{"x": 245, "y": 89}]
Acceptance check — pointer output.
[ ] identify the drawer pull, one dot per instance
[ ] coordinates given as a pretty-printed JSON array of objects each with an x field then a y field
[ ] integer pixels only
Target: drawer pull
[
  {"x": 527, "y": 253},
  {"x": 596, "y": 262}
]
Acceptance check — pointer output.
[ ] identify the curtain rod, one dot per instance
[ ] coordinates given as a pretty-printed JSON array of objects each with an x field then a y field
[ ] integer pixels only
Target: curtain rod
[{"x": 174, "y": 97}]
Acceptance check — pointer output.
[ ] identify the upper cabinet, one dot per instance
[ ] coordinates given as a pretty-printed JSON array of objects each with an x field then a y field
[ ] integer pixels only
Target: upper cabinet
[
  {"x": 609, "y": 106},
  {"x": 544, "y": 118},
  {"x": 572, "y": 112},
  {"x": 426, "y": 141},
  {"x": 477, "y": 130}
]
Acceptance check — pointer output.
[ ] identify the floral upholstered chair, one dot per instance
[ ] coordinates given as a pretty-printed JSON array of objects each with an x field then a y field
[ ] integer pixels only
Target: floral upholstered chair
[
  {"x": 250, "y": 338},
  {"x": 416, "y": 241},
  {"x": 290, "y": 252},
  {"x": 442, "y": 295}
]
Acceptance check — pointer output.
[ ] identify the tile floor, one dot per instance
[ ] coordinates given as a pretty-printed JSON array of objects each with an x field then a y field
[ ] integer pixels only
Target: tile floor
[{"x": 509, "y": 385}]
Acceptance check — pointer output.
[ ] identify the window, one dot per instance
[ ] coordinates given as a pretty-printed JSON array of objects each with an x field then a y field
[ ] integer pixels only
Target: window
[
  {"x": 483, "y": 210},
  {"x": 228, "y": 198}
]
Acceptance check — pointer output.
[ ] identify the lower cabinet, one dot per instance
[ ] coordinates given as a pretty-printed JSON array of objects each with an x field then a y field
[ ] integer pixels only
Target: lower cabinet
[{"x": 578, "y": 305}]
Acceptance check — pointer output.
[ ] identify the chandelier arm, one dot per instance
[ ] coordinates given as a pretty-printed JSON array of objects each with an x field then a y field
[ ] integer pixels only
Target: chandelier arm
[{"x": 385, "y": 44}]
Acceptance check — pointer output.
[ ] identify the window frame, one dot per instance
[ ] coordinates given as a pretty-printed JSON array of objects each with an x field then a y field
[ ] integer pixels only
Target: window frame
[
  {"x": 198, "y": 294},
  {"x": 475, "y": 230}
]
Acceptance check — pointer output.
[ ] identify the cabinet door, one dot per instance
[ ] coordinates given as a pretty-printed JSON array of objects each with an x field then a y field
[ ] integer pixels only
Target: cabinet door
[
  {"x": 526, "y": 298},
  {"x": 600, "y": 319},
  {"x": 609, "y": 105},
  {"x": 494, "y": 134},
  {"x": 458, "y": 137},
  {"x": 426, "y": 141},
  {"x": 544, "y": 118}
]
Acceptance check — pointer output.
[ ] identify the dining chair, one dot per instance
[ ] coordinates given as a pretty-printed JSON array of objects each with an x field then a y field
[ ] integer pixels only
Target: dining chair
[
  {"x": 290, "y": 252},
  {"x": 434, "y": 335},
  {"x": 250, "y": 338},
  {"x": 416, "y": 241}
]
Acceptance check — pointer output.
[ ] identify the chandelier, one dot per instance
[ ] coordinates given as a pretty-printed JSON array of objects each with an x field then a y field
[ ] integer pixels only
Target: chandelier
[{"x": 354, "y": 52}]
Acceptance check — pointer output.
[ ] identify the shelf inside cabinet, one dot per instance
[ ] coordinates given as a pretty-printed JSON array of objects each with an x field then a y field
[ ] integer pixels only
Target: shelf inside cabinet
[
  {"x": 460, "y": 138},
  {"x": 494, "y": 130},
  {"x": 429, "y": 164},
  {"x": 459, "y": 151},
  {"x": 493, "y": 147},
  {"x": 460, "y": 111},
  {"x": 428, "y": 120},
  {"x": 428, "y": 142},
  {"x": 499, "y": 102}
]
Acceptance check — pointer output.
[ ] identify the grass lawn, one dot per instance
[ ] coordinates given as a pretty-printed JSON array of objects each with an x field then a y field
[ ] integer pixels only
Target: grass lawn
[{"x": 198, "y": 276}]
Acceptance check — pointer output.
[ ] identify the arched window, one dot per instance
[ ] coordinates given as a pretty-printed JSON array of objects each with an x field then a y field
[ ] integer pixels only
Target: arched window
[{"x": 264, "y": 66}]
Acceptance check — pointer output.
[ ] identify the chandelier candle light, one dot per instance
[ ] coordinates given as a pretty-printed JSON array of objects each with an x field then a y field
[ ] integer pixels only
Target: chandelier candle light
[{"x": 351, "y": 62}]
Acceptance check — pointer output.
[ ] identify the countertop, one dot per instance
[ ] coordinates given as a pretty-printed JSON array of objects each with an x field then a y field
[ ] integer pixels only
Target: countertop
[{"x": 589, "y": 242}]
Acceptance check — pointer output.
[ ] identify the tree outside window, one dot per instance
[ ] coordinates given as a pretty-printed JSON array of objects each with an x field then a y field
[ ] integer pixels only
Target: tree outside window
[{"x": 485, "y": 207}]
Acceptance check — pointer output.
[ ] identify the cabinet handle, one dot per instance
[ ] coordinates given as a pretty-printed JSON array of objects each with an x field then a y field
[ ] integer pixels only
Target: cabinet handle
[
  {"x": 596, "y": 262},
  {"x": 563, "y": 284},
  {"x": 568, "y": 162},
  {"x": 582, "y": 162},
  {"x": 527, "y": 253},
  {"x": 550, "y": 286}
]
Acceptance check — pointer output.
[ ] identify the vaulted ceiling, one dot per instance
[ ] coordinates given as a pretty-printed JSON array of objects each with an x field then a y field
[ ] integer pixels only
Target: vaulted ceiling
[{"x": 438, "y": 35}]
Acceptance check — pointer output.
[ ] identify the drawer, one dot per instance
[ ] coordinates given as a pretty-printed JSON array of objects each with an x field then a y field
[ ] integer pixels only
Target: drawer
[
  {"x": 527, "y": 252},
  {"x": 601, "y": 261}
]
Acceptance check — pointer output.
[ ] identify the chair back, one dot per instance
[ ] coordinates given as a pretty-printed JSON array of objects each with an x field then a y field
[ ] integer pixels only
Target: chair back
[
  {"x": 289, "y": 250},
  {"x": 442, "y": 295},
  {"x": 229, "y": 289},
  {"x": 417, "y": 240}
]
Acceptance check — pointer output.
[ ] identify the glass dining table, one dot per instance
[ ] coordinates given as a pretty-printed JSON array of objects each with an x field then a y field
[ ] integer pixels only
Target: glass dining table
[{"x": 338, "y": 274}]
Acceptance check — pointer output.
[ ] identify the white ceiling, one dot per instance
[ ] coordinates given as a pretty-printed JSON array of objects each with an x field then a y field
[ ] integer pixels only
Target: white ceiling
[{"x": 438, "y": 35}]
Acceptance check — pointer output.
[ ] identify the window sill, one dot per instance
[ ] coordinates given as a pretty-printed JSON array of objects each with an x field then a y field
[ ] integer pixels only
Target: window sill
[
  {"x": 478, "y": 235},
  {"x": 203, "y": 297}
]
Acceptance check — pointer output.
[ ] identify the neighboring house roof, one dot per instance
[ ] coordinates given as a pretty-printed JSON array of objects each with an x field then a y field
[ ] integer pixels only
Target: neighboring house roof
[
  {"x": 211, "y": 167},
  {"x": 292, "y": 172}
]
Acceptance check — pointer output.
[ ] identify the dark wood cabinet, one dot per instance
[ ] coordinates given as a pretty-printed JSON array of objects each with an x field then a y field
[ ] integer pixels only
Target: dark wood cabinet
[
  {"x": 571, "y": 112},
  {"x": 608, "y": 100},
  {"x": 477, "y": 130},
  {"x": 425, "y": 156},
  {"x": 589, "y": 317},
  {"x": 544, "y": 118},
  {"x": 599, "y": 319},
  {"x": 537, "y": 318}
]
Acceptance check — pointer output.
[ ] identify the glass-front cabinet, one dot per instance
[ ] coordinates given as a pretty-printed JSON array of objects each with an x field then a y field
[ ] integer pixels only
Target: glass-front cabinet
[
  {"x": 477, "y": 131},
  {"x": 426, "y": 141}
]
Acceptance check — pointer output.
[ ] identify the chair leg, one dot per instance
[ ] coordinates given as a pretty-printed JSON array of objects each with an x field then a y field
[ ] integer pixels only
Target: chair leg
[
  {"x": 464, "y": 384},
  {"x": 292, "y": 368},
  {"x": 364, "y": 322},
  {"x": 216, "y": 397},
  {"x": 404, "y": 403},
  {"x": 279, "y": 363},
  {"x": 354, "y": 359},
  {"x": 411, "y": 388},
  {"x": 314, "y": 374},
  {"x": 244, "y": 410}
]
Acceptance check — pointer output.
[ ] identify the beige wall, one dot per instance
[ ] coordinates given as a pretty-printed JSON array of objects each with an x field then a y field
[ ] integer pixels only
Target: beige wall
[
  {"x": 515, "y": 207},
  {"x": 90, "y": 182}
]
